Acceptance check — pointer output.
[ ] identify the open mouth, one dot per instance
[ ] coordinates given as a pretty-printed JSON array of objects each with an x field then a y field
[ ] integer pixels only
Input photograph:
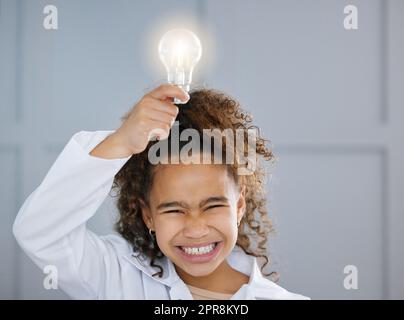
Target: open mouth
[
  {"x": 200, "y": 253},
  {"x": 199, "y": 250}
]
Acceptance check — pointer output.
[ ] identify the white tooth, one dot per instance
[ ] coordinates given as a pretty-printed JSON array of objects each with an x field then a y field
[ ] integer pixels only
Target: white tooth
[{"x": 202, "y": 250}]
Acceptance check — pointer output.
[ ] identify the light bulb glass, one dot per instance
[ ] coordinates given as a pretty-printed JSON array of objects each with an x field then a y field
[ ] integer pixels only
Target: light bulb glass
[{"x": 180, "y": 50}]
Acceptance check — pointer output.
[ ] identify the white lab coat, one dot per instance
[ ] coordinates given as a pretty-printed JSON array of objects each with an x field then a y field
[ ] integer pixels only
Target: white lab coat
[{"x": 51, "y": 229}]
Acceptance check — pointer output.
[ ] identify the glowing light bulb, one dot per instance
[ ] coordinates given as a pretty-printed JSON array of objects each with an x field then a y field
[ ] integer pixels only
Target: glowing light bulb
[{"x": 180, "y": 50}]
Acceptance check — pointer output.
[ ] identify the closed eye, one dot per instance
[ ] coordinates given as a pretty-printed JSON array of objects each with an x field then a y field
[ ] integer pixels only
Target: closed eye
[
  {"x": 215, "y": 206},
  {"x": 172, "y": 211},
  {"x": 208, "y": 208}
]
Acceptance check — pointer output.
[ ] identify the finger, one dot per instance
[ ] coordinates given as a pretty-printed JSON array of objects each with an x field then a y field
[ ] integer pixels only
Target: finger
[
  {"x": 154, "y": 124},
  {"x": 165, "y": 117},
  {"x": 169, "y": 91},
  {"x": 165, "y": 107}
]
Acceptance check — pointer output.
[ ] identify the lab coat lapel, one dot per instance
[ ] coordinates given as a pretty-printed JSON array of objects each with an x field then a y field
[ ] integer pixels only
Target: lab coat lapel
[
  {"x": 258, "y": 286},
  {"x": 147, "y": 269},
  {"x": 177, "y": 289}
]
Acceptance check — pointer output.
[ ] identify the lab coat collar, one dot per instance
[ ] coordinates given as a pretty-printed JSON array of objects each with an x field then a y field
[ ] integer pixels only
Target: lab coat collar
[{"x": 170, "y": 275}]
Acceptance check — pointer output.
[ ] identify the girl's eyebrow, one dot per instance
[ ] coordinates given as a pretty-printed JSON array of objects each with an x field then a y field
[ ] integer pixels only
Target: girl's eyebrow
[{"x": 165, "y": 205}]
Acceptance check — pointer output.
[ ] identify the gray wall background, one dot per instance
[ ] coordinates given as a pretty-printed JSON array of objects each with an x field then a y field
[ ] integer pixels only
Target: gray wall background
[{"x": 330, "y": 100}]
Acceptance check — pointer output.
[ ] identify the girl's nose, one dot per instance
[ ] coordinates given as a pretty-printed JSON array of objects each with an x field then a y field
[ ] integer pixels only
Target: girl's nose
[{"x": 196, "y": 228}]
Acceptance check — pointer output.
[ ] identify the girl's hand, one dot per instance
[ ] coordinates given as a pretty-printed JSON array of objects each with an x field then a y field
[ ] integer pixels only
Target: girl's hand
[{"x": 153, "y": 115}]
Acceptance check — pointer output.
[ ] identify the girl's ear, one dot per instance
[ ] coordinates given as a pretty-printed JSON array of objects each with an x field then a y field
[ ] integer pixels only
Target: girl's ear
[
  {"x": 241, "y": 204},
  {"x": 146, "y": 214}
]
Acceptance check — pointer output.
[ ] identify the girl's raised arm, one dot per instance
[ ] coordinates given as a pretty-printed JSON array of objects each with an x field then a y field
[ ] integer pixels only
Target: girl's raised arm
[{"x": 51, "y": 224}]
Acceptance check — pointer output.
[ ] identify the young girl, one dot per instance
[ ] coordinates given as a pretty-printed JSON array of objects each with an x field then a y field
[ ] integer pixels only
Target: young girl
[{"x": 185, "y": 229}]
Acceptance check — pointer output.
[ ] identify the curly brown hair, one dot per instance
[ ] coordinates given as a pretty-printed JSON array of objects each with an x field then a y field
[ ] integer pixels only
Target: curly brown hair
[{"x": 206, "y": 109}]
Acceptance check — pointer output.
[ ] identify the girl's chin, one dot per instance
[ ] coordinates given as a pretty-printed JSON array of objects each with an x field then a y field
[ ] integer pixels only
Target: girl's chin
[{"x": 199, "y": 271}]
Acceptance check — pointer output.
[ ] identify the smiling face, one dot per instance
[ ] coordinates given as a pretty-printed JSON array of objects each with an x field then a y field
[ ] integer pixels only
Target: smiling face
[{"x": 194, "y": 210}]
